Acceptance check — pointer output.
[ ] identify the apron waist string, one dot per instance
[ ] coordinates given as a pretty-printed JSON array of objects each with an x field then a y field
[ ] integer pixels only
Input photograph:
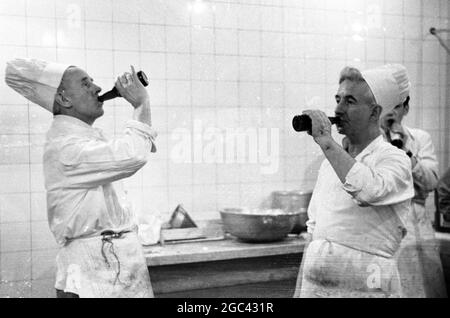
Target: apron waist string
[{"x": 107, "y": 237}]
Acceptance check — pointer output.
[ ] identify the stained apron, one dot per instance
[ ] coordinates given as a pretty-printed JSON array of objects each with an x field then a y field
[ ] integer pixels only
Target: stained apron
[
  {"x": 107, "y": 266},
  {"x": 332, "y": 270}
]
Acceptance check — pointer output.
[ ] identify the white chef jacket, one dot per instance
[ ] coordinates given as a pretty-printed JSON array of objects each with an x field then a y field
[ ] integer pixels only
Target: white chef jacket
[
  {"x": 80, "y": 165},
  {"x": 368, "y": 212},
  {"x": 425, "y": 172},
  {"x": 419, "y": 263}
]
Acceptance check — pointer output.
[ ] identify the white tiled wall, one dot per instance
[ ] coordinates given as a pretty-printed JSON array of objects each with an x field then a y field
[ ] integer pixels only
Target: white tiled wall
[{"x": 249, "y": 64}]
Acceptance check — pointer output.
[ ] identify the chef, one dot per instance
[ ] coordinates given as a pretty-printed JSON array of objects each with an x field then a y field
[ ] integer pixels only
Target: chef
[
  {"x": 419, "y": 263},
  {"x": 100, "y": 255},
  {"x": 362, "y": 196},
  {"x": 443, "y": 193}
]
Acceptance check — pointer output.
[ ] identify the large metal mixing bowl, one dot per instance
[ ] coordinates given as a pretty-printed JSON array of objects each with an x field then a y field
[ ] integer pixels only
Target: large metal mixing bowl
[
  {"x": 258, "y": 227},
  {"x": 293, "y": 201}
]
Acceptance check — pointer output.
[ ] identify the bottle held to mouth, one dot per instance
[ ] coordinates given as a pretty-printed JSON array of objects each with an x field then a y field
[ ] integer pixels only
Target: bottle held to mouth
[
  {"x": 303, "y": 122},
  {"x": 396, "y": 138},
  {"x": 113, "y": 93}
]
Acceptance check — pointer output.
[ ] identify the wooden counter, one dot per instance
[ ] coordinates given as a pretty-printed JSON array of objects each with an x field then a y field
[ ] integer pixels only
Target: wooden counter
[
  {"x": 225, "y": 268},
  {"x": 230, "y": 268},
  {"x": 219, "y": 250}
]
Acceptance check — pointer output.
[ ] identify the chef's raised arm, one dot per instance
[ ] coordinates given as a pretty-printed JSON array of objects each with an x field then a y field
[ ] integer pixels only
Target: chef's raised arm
[
  {"x": 385, "y": 182},
  {"x": 425, "y": 171},
  {"x": 89, "y": 163}
]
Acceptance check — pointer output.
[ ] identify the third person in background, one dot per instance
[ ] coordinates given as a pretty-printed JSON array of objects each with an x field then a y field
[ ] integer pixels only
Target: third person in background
[{"x": 419, "y": 264}]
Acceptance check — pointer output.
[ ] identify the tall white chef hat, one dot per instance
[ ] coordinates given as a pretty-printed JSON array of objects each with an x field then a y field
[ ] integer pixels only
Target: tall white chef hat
[
  {"x": 389, "y": 84},
  {"x": 36, "y": 80}
]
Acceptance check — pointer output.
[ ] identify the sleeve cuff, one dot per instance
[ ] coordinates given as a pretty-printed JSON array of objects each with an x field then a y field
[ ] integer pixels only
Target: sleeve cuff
[{"x": 144, "y": 129}]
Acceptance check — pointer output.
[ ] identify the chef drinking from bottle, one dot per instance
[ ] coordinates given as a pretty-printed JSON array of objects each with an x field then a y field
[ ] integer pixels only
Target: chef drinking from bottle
[
  {"x": 362, "y": 195},
  {"x": 420, "y": 265},
  {"x": 99, "y": 255}
]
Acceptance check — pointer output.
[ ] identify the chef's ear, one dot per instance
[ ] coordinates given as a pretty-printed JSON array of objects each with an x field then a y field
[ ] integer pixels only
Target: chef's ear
[
  {"x": 375, "y": 112},
  {"x": 345, "y": 143},
  {"x": 62, "y": 100}
]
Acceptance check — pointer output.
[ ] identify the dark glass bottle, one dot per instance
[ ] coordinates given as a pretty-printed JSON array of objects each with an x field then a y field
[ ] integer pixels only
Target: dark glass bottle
[
  {"x": 115, "y": 93},
  {"x": 303, "y": 122}
]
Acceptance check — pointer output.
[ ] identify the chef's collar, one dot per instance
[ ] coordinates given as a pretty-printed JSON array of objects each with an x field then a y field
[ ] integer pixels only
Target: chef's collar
[
  {"x": 370, "y": 147},
  {"x": 70, "y": 124}
]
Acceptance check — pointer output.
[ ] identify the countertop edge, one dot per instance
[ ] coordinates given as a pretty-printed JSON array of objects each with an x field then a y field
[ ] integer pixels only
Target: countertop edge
[
  {"x": 228, "y": 249},
  {"x": 183, "y": 253}
]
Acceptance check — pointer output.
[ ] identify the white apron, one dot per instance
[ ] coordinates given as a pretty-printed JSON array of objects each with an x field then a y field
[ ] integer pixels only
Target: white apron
[
  {"x": 420, "y": 265},
  {"x": 331, "y": 270},
  {"x": 104, "y": 268}
]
